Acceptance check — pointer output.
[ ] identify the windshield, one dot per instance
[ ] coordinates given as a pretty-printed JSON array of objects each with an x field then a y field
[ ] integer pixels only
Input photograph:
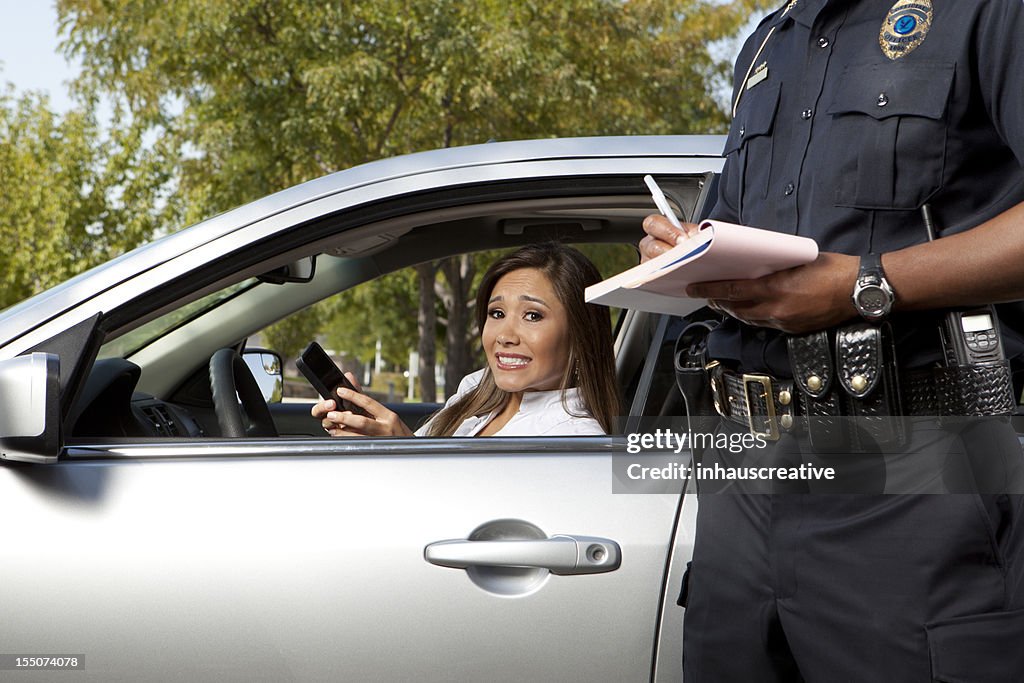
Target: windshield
[{"x": 131, "y": 342}]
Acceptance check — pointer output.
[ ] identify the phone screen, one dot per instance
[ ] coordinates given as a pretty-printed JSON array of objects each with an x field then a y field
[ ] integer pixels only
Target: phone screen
[{"x": 977, "y": 323}]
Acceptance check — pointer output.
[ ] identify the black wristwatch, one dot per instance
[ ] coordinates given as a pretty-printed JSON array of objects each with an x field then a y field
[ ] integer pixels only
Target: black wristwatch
[{"x": 872, "y": 295}]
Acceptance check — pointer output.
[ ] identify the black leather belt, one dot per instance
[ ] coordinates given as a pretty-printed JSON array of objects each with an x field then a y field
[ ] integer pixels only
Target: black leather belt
[
  {"x": 972, "y": 390},
  {"x": 761, "y": 403},
  {"x": 768, "y": 405}
]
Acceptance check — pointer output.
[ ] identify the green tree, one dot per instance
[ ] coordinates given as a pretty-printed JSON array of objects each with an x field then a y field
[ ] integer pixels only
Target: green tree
[
  {"x": 289, "y": 336},
  {"x": 252, "y": 96},
  {"x": 384, "y": 310},
  {"x": 73, "y": 196}
]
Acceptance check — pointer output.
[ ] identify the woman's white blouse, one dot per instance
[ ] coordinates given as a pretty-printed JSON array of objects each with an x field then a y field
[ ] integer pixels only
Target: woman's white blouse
[{"x": 541, "y": 413}]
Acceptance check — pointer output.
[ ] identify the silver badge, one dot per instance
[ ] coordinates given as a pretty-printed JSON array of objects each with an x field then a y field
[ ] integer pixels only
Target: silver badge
[{"x": 905, "y": 27}]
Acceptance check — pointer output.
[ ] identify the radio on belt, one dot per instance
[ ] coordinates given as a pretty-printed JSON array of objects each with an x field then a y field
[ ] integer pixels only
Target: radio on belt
[{"x": 970, "y": 336}]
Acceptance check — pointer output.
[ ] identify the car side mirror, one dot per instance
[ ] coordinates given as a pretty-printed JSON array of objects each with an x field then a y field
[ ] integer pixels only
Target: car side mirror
[
  {"x": 268, "y": 370},
  {"x": 301, "y": 271},
  {"x": 30, "y": 408}
]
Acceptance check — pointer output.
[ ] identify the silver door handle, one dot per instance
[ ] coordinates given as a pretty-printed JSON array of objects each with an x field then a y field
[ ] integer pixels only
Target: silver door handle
[{"x": 558, "y": 554}]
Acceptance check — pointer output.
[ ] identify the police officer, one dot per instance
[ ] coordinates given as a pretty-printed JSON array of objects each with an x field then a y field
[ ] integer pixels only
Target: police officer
[{"x": 856, "y": 123}]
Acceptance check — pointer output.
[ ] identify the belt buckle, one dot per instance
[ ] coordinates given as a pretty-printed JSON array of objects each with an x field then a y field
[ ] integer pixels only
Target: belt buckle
[{"x": 772, "y": 433}]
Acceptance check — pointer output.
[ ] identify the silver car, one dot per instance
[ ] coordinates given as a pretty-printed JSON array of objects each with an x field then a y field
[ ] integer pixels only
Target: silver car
[{"x": 151, "y": 542}]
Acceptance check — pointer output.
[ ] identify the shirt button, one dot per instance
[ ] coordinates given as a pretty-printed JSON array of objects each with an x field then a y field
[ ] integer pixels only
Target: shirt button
[
  {"x": 883, "y": 99},
  {"x": 790, "y": 187},
  {"x": 806, "y": 114},
  {"x": 823, "y": 42},
  {"x": 742, "y": 131}
]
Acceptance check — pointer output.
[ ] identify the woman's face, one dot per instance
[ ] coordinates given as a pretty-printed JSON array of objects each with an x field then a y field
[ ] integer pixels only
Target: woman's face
[{"x": 526, "y": 333}]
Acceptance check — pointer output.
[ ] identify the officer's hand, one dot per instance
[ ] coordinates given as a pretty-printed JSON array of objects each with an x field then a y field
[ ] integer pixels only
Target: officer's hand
[
  {"x": 661, "y": 236},
  {"x": 802, "y": 299}
]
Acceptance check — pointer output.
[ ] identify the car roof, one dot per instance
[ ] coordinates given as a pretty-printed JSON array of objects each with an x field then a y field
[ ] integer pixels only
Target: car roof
[{"x": 35, "y": 311}]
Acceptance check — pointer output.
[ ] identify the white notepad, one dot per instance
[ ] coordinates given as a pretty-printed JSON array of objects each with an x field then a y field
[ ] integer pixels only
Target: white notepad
[{"x": 719, "y": 251}]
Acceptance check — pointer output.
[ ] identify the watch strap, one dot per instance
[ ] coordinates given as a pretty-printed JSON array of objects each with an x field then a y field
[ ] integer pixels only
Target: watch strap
[{"x": 870, "y": 269}]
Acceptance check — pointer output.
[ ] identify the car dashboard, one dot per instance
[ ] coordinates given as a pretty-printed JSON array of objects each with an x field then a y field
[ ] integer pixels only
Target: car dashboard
[{"x": 109, "y": 406}]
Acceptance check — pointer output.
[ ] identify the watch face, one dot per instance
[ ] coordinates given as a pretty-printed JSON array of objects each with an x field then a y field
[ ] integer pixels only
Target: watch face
[{"x": 872, "y": 300}]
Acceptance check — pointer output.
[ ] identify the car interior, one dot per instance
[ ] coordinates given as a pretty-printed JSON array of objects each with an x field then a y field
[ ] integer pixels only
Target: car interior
[{"x": 151, "y": 377}]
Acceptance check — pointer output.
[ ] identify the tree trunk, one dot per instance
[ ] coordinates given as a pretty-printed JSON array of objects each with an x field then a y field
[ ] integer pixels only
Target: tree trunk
[
  {"x": 426, "y": 322},
  {"x": 458, "y": 272}
]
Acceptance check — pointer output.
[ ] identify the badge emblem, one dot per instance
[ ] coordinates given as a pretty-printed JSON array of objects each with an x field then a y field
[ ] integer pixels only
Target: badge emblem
[{"x": 905, "y": 27}]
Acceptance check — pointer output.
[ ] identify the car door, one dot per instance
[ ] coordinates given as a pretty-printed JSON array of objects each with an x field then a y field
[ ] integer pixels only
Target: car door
[{"x": 305, "y": 560}]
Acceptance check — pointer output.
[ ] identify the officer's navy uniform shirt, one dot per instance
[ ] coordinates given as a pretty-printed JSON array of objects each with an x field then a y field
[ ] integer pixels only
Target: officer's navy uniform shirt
[{"x": 842, "y": 144}]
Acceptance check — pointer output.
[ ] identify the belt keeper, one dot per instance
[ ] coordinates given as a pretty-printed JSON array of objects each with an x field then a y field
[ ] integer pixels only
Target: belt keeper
[{"x": 715, "y": 379}]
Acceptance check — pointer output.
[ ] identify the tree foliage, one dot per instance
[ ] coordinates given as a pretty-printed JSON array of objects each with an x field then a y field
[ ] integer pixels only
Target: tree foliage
[
  {"x": 73, "y": 196},
  {"x": 289, "y": 336},
  {"x": 252, "y": 96},
  {"x": 384, "y": 309},
  {"x": 258, "y": 95}
]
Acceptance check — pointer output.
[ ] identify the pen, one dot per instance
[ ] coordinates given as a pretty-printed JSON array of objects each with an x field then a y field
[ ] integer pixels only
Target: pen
[{"x": 662, "y": 203}]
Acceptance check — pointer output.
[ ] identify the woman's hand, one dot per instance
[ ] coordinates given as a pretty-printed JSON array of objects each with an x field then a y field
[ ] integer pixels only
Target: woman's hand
[{"x": 382, "y": 422}]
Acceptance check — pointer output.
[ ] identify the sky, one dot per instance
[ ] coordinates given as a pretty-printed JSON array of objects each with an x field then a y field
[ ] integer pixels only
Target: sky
[{"x": 28, "y": 50}]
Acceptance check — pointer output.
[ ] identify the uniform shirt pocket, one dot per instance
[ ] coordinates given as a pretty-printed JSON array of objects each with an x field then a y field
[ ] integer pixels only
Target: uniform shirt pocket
[
  {"x": 750, "y": 142},
  {"x": 890, "y": 122}
]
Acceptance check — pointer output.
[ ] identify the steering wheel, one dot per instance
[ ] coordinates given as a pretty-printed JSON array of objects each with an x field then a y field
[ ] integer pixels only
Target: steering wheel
[{"x": 231, "y": 377}]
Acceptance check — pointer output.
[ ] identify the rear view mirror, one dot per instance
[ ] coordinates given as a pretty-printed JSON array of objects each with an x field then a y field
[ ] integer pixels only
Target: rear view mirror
[
  {"x": 300, "y": 271},
  {"x": 30, "y": 408}
]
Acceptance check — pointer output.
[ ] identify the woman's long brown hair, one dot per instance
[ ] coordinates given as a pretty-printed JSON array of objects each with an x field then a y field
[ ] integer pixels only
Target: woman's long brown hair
[{"x": 591, "y": 362}]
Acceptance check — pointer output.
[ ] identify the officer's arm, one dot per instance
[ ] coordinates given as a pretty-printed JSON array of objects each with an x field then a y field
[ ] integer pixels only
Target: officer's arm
[
  {"x": 978, "y": 266},
  {"x": 981, "y": 265}
]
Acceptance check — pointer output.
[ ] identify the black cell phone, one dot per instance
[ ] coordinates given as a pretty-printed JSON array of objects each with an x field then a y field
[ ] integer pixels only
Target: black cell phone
[{"x": 326, "y": 377}]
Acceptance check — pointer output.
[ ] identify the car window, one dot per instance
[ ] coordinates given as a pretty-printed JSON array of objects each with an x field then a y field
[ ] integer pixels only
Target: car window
[{"x": 373, "y": 329}]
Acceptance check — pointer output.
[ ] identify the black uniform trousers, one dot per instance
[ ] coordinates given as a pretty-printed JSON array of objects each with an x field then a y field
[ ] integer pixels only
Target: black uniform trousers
[{"x": 831, "y": 587}]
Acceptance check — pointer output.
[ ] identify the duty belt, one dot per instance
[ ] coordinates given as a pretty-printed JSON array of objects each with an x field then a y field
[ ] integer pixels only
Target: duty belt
[{"x": 859, "y": 381}]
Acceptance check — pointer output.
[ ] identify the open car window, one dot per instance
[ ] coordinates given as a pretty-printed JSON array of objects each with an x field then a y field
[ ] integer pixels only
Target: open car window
[{"x": 372, "y": 330}]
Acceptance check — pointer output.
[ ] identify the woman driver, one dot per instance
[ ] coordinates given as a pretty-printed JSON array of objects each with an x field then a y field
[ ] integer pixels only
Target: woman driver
[{"x": 550, "y": 368}]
